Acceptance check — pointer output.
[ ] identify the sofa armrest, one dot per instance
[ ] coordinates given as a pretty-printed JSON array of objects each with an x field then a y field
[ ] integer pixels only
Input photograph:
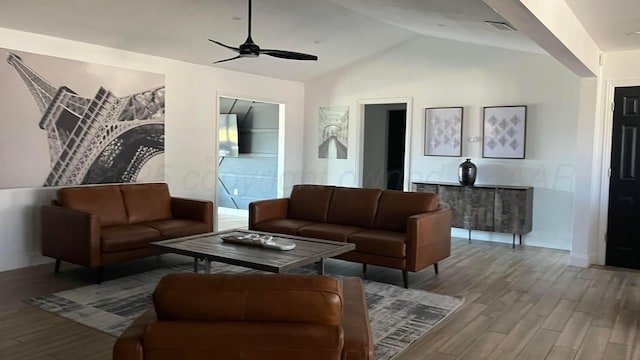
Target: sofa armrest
[
  {"x": 128, "y": 346},
  {"x": 199, "y": 210},
  {"x": 263, "y": 210},
  {"x": 70, "y": 235},
  {"x": 428, "y": 238},
  {"x": 358, "y": 342}
]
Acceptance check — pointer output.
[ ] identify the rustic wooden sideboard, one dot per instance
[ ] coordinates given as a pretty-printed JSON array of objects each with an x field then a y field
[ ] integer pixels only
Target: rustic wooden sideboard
[{"x": 503, "y": 209}]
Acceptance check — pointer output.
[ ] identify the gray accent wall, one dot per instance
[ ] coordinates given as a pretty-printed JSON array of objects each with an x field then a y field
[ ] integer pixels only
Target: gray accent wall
[
  {"x": 374, "y": 162},
  {"x": 253, "y": 175}
]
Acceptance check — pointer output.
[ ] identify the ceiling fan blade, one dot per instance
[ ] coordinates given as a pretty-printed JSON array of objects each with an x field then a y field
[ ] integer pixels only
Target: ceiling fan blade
[
  {"x": 229, "y": 59},
  {"x": 288, "y": 54},
  {"x": 227, "y": 46},
  {"x": 249, "y": 49}
]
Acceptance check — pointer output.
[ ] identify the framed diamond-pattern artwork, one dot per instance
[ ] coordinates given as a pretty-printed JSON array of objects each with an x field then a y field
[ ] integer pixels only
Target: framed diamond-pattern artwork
[
  {"x": 443, "y": 131},
  {"x": 504, "y": 132}
]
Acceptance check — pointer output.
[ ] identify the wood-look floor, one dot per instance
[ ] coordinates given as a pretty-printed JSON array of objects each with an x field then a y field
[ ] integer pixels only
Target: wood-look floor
[{"x": 522, "y": 303}]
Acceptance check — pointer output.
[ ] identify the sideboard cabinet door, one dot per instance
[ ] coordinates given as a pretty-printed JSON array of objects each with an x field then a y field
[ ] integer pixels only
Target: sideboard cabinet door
[
  {"x": 479, "y": 207},
  {"x": 513, "y": 210},
  {"x": 455, "y": 197}
]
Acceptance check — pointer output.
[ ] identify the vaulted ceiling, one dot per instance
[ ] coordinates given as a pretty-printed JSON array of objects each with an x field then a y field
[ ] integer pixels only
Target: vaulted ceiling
[{"x": 339, "y": 32}]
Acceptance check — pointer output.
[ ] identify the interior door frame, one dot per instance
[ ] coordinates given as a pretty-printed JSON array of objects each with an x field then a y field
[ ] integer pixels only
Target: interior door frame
[
  {"x": 605, "y": 134},
  {"x": 408, "y": 101},
  {"x": 281, "y": 136}
]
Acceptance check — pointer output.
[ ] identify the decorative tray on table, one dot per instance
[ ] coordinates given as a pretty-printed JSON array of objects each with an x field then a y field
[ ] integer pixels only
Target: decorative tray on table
[{"x": 265, "y": 241}]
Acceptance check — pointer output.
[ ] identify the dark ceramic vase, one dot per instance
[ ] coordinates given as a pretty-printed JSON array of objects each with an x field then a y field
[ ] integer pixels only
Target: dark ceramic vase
[{"x": 467, "y": 173}]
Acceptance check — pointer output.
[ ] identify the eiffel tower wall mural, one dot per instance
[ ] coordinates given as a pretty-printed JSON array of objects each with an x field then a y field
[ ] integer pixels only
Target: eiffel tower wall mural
[{"x": 67, "y": 122}]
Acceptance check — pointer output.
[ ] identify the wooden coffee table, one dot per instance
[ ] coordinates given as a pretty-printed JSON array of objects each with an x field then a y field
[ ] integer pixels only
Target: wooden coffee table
[{"x": 210, "y": 247}]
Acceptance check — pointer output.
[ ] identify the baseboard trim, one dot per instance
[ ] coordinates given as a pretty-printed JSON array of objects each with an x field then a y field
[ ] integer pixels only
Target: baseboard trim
[{"x": 579, "y": 260}]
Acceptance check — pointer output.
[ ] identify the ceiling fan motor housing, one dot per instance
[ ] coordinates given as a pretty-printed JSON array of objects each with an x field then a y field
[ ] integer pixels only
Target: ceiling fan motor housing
[{"x": 249, "y": 49}]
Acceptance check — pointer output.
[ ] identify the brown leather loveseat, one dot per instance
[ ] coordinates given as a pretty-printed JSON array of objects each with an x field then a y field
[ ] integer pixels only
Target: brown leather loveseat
[
  {"x": 402, "y": 230},
  {"x": 97, "y": 225},
  {"x": 255, "y": 316}
]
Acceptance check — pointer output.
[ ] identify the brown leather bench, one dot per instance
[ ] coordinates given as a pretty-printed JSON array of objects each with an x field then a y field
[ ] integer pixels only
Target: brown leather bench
[
  {"x": 257, "y": 316},
  {"x": 401, "y": 230},
  {"x": 98, "y": 225}
]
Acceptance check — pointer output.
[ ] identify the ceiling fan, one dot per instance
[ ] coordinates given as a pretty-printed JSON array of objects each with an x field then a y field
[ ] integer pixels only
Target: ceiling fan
[{"x": 250, "y": 49}]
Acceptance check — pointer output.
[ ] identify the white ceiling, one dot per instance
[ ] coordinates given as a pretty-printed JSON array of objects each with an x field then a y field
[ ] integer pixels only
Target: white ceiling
[
  {"x": 339, "y": 32},
  {"x": 609, "y": 22}
]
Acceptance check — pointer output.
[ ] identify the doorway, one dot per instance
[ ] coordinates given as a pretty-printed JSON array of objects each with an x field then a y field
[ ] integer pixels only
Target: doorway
[
  {"x": 249, "y": 157},
  {"x": 384, "y": 150},
  {"x": 623, "y": 234}
]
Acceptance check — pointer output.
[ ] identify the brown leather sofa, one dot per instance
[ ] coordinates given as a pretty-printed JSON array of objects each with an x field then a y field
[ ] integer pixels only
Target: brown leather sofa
[
  {"x": 256, "y": 316},
  {"x": 402, "y": 230},
  {"x": 97, "y": 225}
]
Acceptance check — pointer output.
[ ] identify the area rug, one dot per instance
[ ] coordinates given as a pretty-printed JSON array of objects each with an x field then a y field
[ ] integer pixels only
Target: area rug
[{"x": 398, "y": 316}]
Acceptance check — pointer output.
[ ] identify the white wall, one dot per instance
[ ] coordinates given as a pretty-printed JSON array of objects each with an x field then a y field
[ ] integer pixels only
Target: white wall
[
  {"x": 554, "y": 27},
  {"x": 586, "y": 205},
  {"x": 621, "y": 65},
  {"x": 190, "y": 128},
  {"x": 438, "y": 73},
  {"x": 618, "y": 69}
]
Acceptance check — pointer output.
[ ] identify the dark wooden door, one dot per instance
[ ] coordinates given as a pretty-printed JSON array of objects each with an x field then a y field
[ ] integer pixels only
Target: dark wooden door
[{"x": 623, "y": 225}]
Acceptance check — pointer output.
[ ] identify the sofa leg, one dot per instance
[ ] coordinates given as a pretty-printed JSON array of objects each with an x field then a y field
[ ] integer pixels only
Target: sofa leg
[
  {"x": 99, "y": 273},
  {"x": 435, "y": 267},
  {"x": 364, "y": 270},
  {"x": 57, "y": 268},
  {"x": 405, "y": 278},
  {"x": 321, "y": 266}
]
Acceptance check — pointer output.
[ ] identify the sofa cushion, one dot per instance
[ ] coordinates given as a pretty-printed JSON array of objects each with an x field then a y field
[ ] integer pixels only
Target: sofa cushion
[
  {"x": 127, "y": 237},
  {"x": 380, "y": 242},
  {"x": 147, "y": 202},
  {"x": 396, "y": 206},
  {"x": 354, "y": 207},
  {"x": 249, "y": 297},
  {"x": 283, "y": 226},
  {"x": 104, "y": 201},
  {"x": 173, "y": 228},
  {"x": 310, "y": 202},
  {"x": 326, "y": 231}
]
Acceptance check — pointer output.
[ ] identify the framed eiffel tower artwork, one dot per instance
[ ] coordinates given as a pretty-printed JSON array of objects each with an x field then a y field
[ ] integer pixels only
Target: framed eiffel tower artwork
[{"x": 67, "y": 122}]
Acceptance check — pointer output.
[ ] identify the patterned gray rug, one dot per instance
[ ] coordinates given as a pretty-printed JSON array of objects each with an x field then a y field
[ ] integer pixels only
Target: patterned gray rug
[{"x": 398, "y": 316}]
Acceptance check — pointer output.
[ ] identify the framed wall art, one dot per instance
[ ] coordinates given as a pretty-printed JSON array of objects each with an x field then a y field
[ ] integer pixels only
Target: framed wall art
[
  {"x": 504, "y": 132},
  {"x": 443, "y": 131},
  {"x": 333, "y": 132},
  {"x": 77, "y": 123}
]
